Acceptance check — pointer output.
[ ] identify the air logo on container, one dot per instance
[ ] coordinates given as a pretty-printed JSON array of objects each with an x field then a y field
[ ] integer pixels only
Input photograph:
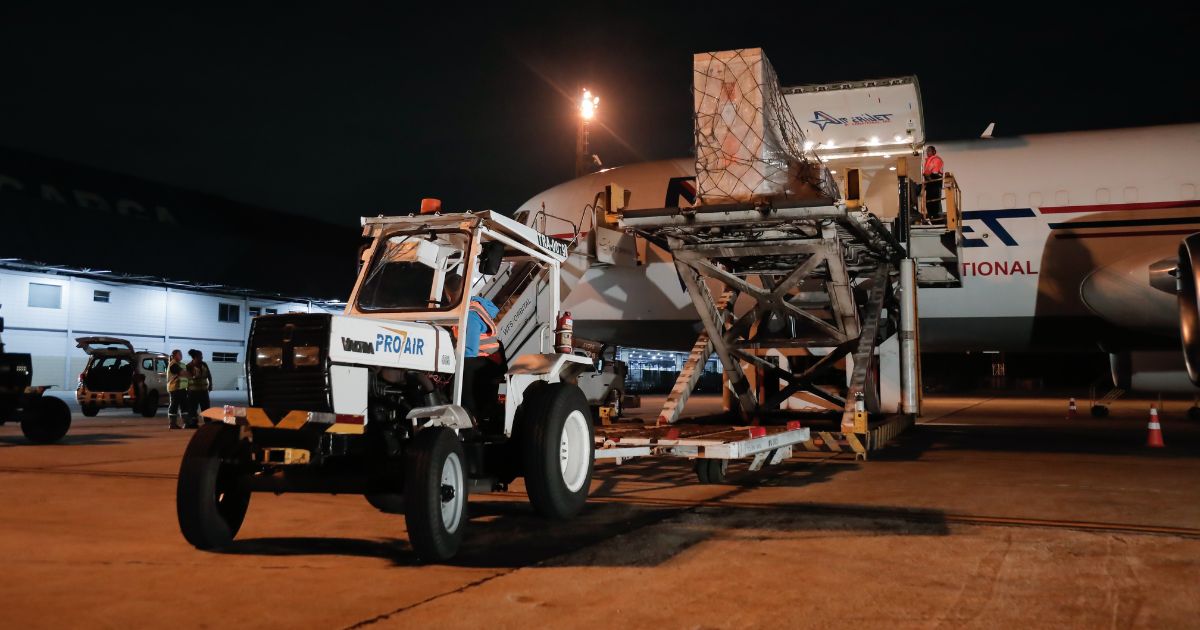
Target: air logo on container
[
  {"x": 399, "y": 343},
  {"x": 822, "y": 119}
]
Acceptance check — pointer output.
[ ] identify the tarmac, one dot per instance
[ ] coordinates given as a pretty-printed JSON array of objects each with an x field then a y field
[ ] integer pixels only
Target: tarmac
[{"x": 991, "y": 512}]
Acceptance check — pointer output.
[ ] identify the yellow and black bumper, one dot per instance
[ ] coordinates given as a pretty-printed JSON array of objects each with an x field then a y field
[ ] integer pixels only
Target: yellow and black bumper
[{"x": 257, "y": 418}]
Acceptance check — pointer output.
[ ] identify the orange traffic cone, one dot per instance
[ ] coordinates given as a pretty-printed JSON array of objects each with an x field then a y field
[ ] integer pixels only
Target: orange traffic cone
[
  {"x": 1154, "y": 438},
  {"x": 1071, "y": 408}
]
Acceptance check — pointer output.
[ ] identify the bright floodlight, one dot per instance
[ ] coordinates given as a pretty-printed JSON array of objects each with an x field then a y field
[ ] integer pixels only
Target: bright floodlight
[{"x": 587, "y": 107}]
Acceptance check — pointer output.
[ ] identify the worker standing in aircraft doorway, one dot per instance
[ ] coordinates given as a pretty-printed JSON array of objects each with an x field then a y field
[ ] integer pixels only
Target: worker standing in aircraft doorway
[{"x": 932, "y": 183}]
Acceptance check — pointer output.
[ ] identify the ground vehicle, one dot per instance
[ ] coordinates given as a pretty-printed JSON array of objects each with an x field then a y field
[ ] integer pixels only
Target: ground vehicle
[
  {"x": 116, "y": 375},
  {"x": 604, "y": 384},
  {"x": 44, "y": 419},
  {"x": 373, "y": 402}
]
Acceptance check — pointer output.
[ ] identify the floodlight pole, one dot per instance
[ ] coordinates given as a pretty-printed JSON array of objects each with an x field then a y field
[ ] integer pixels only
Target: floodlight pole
[
  {"x": 587, "y": 110},
  {"x": 581, "y": 147}
]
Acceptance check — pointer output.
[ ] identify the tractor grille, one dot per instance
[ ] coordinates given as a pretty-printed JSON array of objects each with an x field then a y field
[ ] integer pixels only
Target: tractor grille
[{"x": 288, "y": 387}]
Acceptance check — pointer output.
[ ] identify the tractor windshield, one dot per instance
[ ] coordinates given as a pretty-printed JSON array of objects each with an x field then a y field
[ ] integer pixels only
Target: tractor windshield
[{"x": 415, "y": 271}]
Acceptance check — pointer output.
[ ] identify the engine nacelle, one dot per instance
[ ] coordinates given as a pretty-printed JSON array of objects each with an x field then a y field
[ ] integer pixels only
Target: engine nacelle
[
  {"x": 1150, "y": 371},
  {"x": 1189, "y": 304}
]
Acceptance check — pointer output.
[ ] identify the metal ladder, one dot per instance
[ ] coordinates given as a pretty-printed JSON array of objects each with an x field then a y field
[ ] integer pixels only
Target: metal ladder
[{"x": 689, "y": 375}]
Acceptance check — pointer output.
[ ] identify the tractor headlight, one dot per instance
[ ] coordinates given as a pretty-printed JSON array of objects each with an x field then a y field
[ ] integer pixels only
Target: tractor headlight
[
  {"x": 268, "y": 357},
  {"x": 306, "y": 356}
]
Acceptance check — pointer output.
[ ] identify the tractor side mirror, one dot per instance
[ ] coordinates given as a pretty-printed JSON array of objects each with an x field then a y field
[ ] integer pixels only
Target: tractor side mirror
[{"x": 490, "y": 257}]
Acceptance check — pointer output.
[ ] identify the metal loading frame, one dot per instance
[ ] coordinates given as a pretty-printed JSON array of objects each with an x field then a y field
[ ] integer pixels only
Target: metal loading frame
[
  {"x": 805, "y": 274},
  {"x": 701, "y": 442},
  {"x": 820, "y": 284}
]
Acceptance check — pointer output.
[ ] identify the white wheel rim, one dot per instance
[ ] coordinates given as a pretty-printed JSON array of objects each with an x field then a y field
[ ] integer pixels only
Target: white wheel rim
[
  {"x": 574, "y": 451},
  {"x": 450, "y": 492}
]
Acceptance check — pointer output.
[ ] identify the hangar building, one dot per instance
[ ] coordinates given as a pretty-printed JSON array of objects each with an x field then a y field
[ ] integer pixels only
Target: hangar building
[{"x": 85, "y": 252}]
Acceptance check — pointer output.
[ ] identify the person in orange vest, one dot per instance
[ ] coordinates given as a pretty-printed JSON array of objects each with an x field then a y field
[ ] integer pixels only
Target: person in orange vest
[
  {"x": 932, "y": 174},
  {"x": 483, "y": 368},
  {"x": 482, "y": 364}
]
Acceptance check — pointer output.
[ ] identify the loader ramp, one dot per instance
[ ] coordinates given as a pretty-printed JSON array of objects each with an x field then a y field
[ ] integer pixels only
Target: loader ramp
[{"x": 710, "y": 447}]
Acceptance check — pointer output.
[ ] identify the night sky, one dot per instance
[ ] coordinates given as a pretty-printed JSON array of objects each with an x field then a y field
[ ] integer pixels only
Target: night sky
[{"x": 345, "y": 109}]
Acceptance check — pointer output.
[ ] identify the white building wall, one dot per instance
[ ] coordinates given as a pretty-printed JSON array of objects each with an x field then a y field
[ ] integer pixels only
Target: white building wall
[{"x": 151, "y": 318}]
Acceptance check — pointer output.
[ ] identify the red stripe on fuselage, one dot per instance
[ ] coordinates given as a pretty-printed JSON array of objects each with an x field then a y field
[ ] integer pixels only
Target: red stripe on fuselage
[
  {"x": 1112, "y": 234},
  {"x": 1118, "y": 207}
]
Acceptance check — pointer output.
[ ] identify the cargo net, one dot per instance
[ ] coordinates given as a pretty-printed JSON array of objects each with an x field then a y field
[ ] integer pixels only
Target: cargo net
[{"x": 749, "y": 147}]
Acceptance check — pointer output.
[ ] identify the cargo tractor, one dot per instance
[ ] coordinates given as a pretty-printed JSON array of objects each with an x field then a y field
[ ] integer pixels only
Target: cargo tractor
[
  {"x": 44, "y": 419},
  {"x": 372, "y": 401}
]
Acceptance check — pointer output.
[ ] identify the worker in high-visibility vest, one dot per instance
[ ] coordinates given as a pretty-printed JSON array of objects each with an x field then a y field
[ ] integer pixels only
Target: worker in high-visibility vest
[
  {"x": 482, "y": 368},
  {"x": 177, "y": 388},
  {"x": 482, "y": 362},
  {"x": 932, "y": 174},
  {"x": 199, "y": 385},
  {"x": 481, "y": 329}
]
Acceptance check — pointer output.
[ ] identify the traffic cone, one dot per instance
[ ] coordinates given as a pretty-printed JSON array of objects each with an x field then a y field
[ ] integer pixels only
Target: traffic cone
[
  {"x": 1071, "y": 409},
  {"x": 1154, "y": 438}
]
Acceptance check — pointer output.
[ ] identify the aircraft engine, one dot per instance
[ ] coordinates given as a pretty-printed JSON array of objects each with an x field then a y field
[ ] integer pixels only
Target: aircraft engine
[
  {"x": 1189, "y": 304},
  {"x": 1160, "y": 371}
]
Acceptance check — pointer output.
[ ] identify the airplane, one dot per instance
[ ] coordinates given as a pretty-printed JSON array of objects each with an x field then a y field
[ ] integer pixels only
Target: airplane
[{"x": 1073, "y": 242}]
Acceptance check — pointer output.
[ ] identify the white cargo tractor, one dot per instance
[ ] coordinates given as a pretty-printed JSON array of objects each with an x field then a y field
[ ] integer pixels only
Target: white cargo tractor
[{"x": 373, "y": 402}]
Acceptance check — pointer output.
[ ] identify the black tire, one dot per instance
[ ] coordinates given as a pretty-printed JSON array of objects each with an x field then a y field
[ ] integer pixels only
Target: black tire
[
  {"x": 711, "y": 470},
  {"x": 89, "y": 410},
  {"x": 553, "y": 492},
  {"x": 150, "y": 404},
  {"x": 435, "y": 533},
  {"x": 1099, "y": 411},
  {"x": 45, "y": 420},
  {"x": 212, "y": 493},
  {"x": 386, "y": 502}
]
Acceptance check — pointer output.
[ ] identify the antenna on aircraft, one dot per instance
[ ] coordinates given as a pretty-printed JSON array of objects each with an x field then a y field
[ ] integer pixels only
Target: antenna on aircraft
[{"x": 987, "y": 133}]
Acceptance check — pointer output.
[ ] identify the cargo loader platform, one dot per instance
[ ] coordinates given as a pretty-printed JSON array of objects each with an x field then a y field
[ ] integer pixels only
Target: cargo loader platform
[{"x": 711, "y": 447}]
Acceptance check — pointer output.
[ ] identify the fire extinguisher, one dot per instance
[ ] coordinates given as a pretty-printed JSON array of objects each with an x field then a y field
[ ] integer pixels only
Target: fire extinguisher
[{"x": 563, "y": 341}]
